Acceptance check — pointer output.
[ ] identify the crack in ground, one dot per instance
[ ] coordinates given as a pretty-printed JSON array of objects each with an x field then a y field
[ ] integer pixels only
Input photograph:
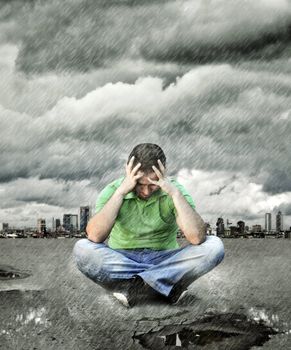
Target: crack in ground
[
  {"x": 9, "y": 272},
  {"x": 224, "y": 330}
]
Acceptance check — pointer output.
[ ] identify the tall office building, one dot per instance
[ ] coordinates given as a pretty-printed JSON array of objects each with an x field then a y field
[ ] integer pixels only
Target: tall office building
[
  {"x": 41, "y": 226},
  {"x": 5, "y": 226},
  {"x": 57, "y": 223},
  {"x": 241, "y": 227},
  {"x": 257, "y": 228},
  {"x": 279, "y": 222},
  {"x": 74, "y": 222},
  {"x": 268, "y": 222},
  {"x": 220, "y": 227},
  {"x": 70, "y": 222},
  {"x": 67, "y": 222},
  {"x": 84, "y": 217}
]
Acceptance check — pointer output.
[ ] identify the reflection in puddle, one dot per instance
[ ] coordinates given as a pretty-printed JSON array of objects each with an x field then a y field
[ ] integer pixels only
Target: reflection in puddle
[
  {"x": 191, "y": 337},
  {"x": 31, "y": 318},
  {"x": 33, "y": 315},
  {"x": 23, "y": 313},
  {"x": 229, "y": 330}
]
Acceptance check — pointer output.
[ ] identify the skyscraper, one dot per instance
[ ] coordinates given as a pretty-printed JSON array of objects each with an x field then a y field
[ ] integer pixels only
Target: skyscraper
[
  {"x": 84, "y": 217},
  {"x": 241, "y": 227},
  {"x": 41, "y": 226},
  {"x": 70, "y": 222},
  {"x": 220, "y": 227},
  {"x": 5, "y": 226},
  {"x": 268, "y": 222},
  {"x": 279, "y": 222},
  {"x": 74, "y": 222},
  {"x": 57, "y": 223}
]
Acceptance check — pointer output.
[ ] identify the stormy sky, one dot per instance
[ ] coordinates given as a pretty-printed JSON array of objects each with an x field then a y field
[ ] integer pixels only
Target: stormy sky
[{"x": 83, "y": 82}]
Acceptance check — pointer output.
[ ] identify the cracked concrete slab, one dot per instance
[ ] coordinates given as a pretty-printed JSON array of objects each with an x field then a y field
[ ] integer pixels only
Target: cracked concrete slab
[{"x": 59, "y": 308}]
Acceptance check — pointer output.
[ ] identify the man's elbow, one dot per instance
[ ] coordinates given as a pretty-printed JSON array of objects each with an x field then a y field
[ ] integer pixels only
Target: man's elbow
[
  {"x": 196, "y": 241},
  {"x": 197, "y": 238},
  {"x": 92, "y": 234}
]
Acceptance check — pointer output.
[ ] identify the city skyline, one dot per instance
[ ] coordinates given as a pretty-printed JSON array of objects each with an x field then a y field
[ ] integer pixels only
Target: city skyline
[{"x": 228, "y": 222}]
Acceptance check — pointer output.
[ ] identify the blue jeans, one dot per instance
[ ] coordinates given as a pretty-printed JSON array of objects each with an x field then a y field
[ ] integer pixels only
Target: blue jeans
[{"x": 161, "y": 269}]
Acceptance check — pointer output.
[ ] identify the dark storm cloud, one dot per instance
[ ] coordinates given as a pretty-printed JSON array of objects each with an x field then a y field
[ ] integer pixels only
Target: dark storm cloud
[
  {"x": 267, "y": 46},
  {"x": 279, "y": 181},
  {"x": 10, "y": 11},
  {"x": 219, "y": 119},
  {"x": 35, "y": 95},
  {"x": 222, "y": 112},
  {"x": 84, "y": 35},
  {"x": 285, "y": 208},
  {"x": 38, "y": 192}
]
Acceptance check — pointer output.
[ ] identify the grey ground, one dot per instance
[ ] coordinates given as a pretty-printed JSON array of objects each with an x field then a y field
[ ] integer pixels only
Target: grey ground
[{"x": 58, "y": 308}]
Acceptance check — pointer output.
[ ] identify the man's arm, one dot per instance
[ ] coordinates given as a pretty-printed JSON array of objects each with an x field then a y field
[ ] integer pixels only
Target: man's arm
[
  {"x": 100, "y": 225},
  {"x": 188, "y": 220}
]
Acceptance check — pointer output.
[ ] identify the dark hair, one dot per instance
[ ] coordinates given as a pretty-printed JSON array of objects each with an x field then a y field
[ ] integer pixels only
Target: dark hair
[{"x": 147, "y": 154}]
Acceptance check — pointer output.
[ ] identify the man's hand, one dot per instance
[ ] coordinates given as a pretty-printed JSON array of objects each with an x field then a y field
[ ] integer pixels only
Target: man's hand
[
  {"x": 163, "y": 182},
  {"x": 131, "y": 177}
]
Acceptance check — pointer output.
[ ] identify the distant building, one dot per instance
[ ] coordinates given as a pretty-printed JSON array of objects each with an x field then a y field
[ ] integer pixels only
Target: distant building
[
  {"x": 208, "y": 228},
  {"x": 268, "y": 222},
  {"x": 220, "y": 227},
  {"x": 41, "y": 226},
  {"x": 227, "y": 232},
  {"x": 74, "y": 222},
  {"x": 57, "y": 224},
  {"x": 233, "y": 231},
  {"x": 228, "y": 223},
  {"x": 70, "y": 222},
  {"x": 5, "y": 226},
  {"x": 256, "y": 228},
  {"x": 241, "y": 227},
  {"x": 279, "y": 222},
  {"x": 67, "y": 221},
  {"x": 84, "y": 217}
]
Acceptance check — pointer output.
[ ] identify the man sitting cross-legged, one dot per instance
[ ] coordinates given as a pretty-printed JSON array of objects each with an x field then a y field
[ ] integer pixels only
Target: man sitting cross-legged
[{"x": 141, "y": 213}]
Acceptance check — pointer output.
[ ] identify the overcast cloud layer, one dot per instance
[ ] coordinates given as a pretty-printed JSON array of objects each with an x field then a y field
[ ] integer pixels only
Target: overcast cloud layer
[
  {"x": 210, "y": 87},
  {"x": 81, "y": 35}
]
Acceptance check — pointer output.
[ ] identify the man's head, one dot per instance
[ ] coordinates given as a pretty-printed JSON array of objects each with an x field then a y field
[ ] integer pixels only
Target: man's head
[{"x": 147, "y": 154}]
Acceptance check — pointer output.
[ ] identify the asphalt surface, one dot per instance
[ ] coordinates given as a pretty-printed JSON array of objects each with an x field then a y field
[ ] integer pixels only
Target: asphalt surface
[{"x": 56, "y": 307}]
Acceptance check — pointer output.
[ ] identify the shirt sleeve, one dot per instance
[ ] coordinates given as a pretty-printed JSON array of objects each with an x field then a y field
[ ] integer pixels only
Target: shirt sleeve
[
  {"x": 185, "y": 193},
  {"x": 104, "y": 197}
]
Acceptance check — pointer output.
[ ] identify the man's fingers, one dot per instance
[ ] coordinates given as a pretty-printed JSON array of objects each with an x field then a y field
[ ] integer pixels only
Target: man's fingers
[
  {"x": 152, "y": 181},
  {"x": 161, "y": 165},
  {"x": 139, "y": 175},
  {"x": 135, "y": 168},
  {"x": 129, "y": 165},
  {"x": 159, "y": 174}
]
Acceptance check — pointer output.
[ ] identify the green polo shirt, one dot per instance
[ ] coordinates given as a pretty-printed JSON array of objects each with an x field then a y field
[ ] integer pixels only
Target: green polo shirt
[{"x": 143, "y": 223}]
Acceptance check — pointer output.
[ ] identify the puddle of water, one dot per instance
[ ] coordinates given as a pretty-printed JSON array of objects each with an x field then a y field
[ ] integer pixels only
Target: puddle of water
[
  {"x": 8, "y": 273},
  {"x": 229, "y": 330}
]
